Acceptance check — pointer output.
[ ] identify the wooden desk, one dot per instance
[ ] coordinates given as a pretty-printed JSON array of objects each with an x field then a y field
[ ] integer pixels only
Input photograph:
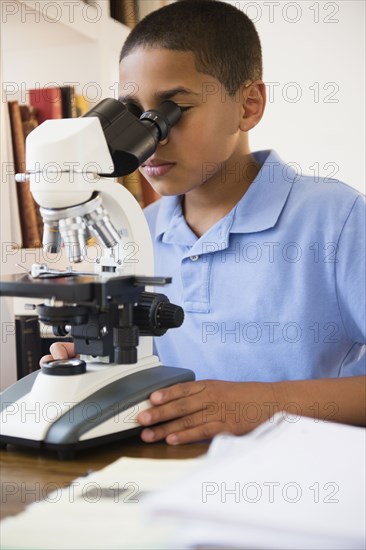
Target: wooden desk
[{"x": 29, "y": 475}]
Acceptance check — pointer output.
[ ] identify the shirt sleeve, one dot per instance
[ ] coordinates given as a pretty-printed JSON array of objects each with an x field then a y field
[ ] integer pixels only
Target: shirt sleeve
[{"x": 350, "y": 269}]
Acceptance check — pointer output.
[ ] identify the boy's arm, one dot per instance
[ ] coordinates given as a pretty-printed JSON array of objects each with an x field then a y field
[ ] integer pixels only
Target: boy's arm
[{"x": 194, "y": 411}]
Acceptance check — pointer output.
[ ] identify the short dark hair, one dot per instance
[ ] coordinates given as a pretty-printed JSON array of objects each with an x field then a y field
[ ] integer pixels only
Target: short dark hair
[{"x": 222, "y": 38}]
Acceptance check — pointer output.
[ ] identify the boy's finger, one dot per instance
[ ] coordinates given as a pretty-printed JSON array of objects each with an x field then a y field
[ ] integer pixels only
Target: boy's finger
[
  {"x": 61, "y": 350},
  {"x": 200, "y": 433},
  {"x": 170, "y": 411},
  {"x": 177, "y": 391},
  {"x": 156, "y": 433},
  {"x": 45, "y": 359}
]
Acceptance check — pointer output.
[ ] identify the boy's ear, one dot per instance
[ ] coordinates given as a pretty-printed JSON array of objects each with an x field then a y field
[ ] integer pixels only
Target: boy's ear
[{"x": 253, "y": 99}]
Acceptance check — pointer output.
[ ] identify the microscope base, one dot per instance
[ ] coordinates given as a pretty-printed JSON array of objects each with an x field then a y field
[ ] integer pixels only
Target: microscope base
[{"x": 106, "y": 415}]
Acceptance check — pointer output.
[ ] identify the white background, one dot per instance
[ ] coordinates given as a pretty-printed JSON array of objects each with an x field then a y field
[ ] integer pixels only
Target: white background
[{"x": 313, "y": 52}]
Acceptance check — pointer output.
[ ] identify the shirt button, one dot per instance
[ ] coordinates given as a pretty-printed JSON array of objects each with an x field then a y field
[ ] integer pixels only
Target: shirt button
[{"x": 194, "y": 258}]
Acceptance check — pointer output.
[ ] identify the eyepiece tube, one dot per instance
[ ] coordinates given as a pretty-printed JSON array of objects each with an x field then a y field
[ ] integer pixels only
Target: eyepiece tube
[{"x": 164, "y": 117}]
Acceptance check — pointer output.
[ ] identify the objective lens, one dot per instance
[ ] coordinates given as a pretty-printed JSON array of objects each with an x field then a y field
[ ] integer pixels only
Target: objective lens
[
  {"x": 75, "y": 224},
  {"x": 74, "y": 233},
  {"x": 101, "y": 226},
  {"x": 51, "y": 237}
]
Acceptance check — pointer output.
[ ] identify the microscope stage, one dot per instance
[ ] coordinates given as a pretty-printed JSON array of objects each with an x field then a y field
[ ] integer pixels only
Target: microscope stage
[{"x": 72, "y": 289}]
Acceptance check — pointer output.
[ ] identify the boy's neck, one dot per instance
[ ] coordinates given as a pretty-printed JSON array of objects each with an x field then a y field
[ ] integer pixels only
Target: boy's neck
[{"x": 206, "y": 205}]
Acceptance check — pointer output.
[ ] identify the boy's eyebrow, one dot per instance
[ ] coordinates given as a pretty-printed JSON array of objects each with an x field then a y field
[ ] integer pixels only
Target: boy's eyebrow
[{"x": 162, "y": 95}]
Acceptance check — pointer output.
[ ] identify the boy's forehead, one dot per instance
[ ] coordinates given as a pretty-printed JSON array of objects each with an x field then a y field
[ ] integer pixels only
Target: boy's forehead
[{"x": 159, "y": 71}]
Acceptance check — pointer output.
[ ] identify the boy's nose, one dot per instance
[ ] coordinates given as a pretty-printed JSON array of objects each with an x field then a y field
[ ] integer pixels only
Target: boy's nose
[{"x": 164, "y": 141}]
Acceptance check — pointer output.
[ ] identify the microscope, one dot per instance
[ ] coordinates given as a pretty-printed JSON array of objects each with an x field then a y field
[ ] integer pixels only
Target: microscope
[{"x": 110, "y": 312}]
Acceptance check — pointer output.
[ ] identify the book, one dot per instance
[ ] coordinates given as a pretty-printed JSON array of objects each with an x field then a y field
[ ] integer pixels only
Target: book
[
  {"x": 68, "y": 100},
  {"x": 29, "y": 120},
  {"x": 130, "y": 12},
  {"x": 125, "y": 12},
  {"x": 10, "y": 229},
  {"x": 28, "y": 344},
  {"x": 47, "y": 101},
  {"x": 31, "y": 236},
  {"x": 82, "y": 105}
]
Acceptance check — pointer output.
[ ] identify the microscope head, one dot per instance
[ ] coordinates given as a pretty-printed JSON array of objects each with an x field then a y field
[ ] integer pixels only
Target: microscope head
[{"x": 67, "y": 158}]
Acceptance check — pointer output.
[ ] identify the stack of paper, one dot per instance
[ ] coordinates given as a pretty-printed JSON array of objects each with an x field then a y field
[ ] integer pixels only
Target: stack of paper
[
  {"x": 294, "y": 483},
  {"x": 100, "y": 511}
]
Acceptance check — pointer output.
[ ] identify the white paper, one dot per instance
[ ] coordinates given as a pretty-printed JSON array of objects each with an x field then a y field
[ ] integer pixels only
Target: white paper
[
  {"x": 100, "y": 511},
  {"x": 293, "y": 483}
]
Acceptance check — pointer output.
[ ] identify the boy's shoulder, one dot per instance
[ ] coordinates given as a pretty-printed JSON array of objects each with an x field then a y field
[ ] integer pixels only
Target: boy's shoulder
[
  {"x": 324, "y": 198},
  {"x": 308, "y": 194},
  {"x": 312, "y": 186},
  {"x": 316, "y": 187}
]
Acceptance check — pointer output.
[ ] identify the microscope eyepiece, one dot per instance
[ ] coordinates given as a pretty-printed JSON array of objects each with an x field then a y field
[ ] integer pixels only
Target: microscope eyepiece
[
  {"x": 164, "y": 117},
  {"x": 133, "y": 137}
]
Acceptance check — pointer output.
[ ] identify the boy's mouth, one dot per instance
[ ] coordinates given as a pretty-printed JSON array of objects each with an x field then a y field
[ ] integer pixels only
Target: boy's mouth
[{"x": 157, "y": 167}]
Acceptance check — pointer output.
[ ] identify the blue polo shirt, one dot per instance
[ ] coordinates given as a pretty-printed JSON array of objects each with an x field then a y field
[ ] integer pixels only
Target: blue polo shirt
[{"x": 273, "y": 291}]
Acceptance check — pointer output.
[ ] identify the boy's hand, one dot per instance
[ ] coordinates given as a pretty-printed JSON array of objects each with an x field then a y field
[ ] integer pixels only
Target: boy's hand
[
  {"x": 194, "y": 411},
  {"x": 59, "y": 350}
]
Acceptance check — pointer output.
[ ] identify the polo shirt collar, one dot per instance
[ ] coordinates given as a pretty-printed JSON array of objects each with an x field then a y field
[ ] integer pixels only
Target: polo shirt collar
[
  {"x": 261, "y": 206},
  {"x": 258, "y": 210}
]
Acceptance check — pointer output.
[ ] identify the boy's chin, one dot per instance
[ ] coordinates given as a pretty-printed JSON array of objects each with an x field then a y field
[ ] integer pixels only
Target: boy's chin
[
  {"x": 165, "y": 189},
  {"x": 166, "y": 193},
  {"x": 168, "y": 187}
]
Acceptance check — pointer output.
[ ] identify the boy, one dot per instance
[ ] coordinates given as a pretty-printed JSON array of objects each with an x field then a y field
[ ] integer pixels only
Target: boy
[{"x": 268, "y": 266}]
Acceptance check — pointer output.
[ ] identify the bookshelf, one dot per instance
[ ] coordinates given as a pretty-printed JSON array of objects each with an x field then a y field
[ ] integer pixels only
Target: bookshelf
[{"x": 46, "y": 44}]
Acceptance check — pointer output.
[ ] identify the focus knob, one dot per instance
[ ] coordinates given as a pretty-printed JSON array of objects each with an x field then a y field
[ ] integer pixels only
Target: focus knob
[
  {"x": 154, "y": 314},
  {"x": 169, "y": 315}
]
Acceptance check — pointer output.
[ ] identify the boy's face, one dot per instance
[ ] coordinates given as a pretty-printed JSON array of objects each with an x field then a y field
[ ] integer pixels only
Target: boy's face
[{"x": 208, "y": 135}]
